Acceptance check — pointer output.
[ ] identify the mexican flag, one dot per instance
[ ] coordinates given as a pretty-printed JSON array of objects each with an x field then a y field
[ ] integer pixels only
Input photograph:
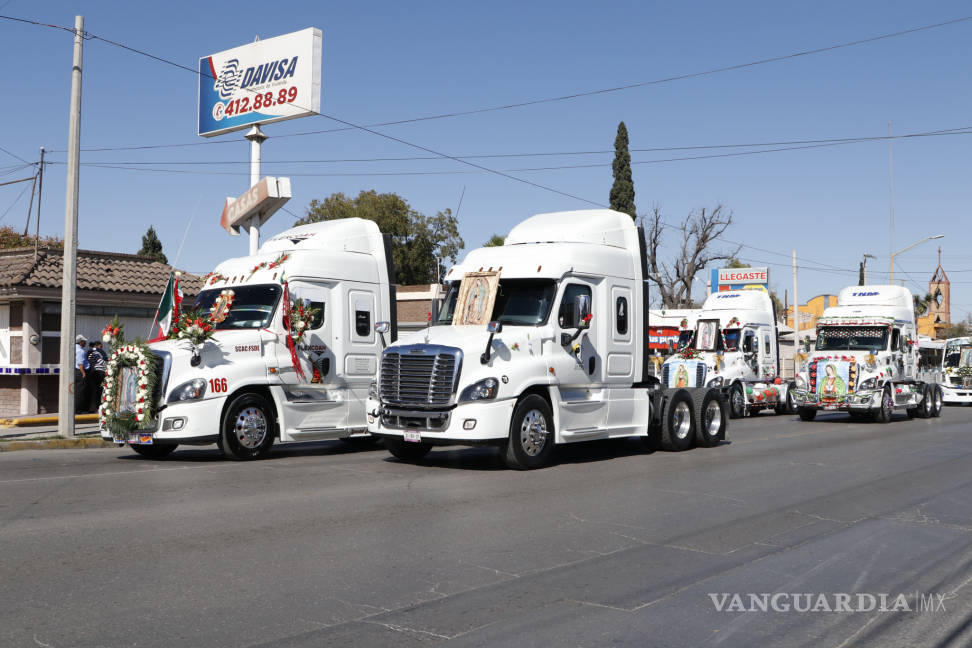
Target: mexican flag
[{"x": 168, "y": 308}]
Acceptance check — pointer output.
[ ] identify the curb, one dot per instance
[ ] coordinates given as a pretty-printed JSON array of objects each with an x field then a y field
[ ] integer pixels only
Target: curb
[
  {"x": 27, "y": 421},
  {"x": 55, "y": 444}
]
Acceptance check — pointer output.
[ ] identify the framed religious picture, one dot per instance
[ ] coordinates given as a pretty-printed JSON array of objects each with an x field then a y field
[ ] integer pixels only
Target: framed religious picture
[
  {"x": 126, "y": 400},
  {"x": 707, "y": 336},
  {"x": 477, "y": 294}
]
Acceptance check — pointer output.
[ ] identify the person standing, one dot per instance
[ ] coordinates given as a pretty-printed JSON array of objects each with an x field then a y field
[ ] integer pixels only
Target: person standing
[
  {"x": 80, "y": 375},
  {"x": 97, "y": 363}
]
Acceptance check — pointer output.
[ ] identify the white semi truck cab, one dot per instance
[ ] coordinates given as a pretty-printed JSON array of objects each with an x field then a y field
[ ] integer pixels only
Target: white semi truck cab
[
  {"x": 244, "y": 390},
  {"x": 733, "y": 346},
  {"x": 558, "y": 353},
  {"x": 865, "y": 359},
  {"x": 956, "y": 370}
]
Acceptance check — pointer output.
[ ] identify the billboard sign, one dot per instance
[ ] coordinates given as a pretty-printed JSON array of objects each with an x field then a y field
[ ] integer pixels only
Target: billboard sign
[
  {"x": 259, "y": 83},
  {"x": 261, "y": 200},
  {"x": 739, "y": 278}
]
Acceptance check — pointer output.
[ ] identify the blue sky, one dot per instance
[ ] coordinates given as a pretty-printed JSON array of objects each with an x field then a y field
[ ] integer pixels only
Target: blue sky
[{"x": 389, "y": 60}]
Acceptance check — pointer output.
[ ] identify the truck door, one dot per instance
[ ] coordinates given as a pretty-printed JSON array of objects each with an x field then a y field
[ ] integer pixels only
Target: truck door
[
  {"x": 360, "y": 363},
  {"x": 580, "y": 374},
  {"x": 768, "y": 355}
]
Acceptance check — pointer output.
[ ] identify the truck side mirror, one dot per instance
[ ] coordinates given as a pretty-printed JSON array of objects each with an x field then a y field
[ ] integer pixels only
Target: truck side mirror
[
  {"x": 582, "y": 312},
  {"x": 381, "y": 328},
  {"x": 493, "y": 328}
]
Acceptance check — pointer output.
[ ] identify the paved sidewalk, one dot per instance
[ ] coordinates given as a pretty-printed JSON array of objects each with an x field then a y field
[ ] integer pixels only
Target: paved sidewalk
[{"x": 45, "y": 431}]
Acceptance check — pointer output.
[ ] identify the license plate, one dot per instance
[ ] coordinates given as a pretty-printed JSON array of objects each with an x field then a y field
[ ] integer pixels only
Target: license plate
[
  {"x": 412, "y": 436},
  {"x": 830, "y": 407},
  {"x": 140, "y": 439}
]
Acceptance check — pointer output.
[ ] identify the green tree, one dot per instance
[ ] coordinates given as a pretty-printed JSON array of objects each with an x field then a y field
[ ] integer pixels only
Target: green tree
[
  {"x": 10, "y": 238},
  {"x": 922, "y": 304},
  {"x": 152, "y": 246},
  {"x": 495, "y": 240},
  {"x": 421, "y": 244},
  {"x": 622, "y": 194}
]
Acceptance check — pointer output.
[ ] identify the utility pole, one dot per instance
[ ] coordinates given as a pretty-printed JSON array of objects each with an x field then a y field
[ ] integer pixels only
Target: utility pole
[
  {"x": 796, "y": 319},
  {"x": 256, "y": 137},
  {"x": 65, "y": 405},
  {"x": 40, "y": 194}
]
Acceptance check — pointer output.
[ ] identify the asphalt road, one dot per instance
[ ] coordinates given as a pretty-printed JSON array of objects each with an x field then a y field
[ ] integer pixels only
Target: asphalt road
[{"x": 323, "y": 545}]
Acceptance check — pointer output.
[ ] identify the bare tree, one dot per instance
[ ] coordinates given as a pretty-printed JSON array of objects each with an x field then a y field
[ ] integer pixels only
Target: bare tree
[{"x": 700, "y": 233}]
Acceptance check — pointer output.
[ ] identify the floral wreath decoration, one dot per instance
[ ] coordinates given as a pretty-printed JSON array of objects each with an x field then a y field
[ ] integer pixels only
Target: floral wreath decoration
[
  {"x": 138, "y": 356},
  {"x": 220, "y": 309},
  {"x": 269, "y": 265},
  {"x": 113, "y": 333}
]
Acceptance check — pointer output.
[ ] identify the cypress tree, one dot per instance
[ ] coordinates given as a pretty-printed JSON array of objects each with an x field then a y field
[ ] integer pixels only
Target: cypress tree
[
  {"x": 622, "y": 195},
  {"x": 152, "y": 246}
]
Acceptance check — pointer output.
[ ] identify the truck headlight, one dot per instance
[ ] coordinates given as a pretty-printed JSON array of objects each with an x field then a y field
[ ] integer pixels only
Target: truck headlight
[
  {"x": 483, "y": 390},
  {"x": 189, "y": 391},
  {"x": 800, "y": 382},
  {"x": 715, "y": 382},
  {"x": 870, "y": 383},
  {"x": 373, "y": 390}
]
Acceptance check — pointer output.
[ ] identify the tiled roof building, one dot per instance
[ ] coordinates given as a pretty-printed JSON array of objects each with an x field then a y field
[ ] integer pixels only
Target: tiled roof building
[{"x": 108, "y": 283}]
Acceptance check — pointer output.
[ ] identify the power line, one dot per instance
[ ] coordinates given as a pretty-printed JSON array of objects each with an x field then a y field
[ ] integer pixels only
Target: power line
[
  {"x": 965, "y": 130},
  {"x": 16, "y": 200},
  {"x": 520, "y": 104},
  {"x": 13, "y": 155}
]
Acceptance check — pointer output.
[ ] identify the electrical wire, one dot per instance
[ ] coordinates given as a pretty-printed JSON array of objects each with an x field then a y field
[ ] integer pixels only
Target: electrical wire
[
  {"x": 13, "y": 155},
  {"x": 16, "y": 200},
  {"x": 520, "y": 104}
]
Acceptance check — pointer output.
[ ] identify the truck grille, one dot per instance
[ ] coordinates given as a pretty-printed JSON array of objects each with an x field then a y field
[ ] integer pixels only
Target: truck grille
[
  {"x": 700, "y": 375},
  {"x": 419, "y": 375}
]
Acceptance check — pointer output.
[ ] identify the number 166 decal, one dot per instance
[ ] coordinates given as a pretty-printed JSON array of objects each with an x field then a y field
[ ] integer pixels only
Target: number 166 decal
[{"x": 217, "y": 385}]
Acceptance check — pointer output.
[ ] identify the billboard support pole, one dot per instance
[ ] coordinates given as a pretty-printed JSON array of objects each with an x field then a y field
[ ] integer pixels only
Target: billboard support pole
[
  {"x": 256, "y": 137},
  {"x": 66, "y": 398},
  {"x": 796, "y": 320}
]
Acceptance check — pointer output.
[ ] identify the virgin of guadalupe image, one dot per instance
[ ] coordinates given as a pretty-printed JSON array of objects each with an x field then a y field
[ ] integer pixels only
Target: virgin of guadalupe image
[
  {"x": 476, "y": 301},
  {"x": 681, "y": 377},
  {"x": 832, "y": 384}
]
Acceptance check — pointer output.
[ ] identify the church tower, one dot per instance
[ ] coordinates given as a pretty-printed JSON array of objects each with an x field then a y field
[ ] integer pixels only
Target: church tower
[{"x": 940, "y": 309}]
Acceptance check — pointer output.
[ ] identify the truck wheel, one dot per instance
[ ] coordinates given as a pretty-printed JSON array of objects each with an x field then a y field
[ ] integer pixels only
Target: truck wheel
[
  {"x": 407, "y": 451},
  {"x": 927, "y": 406},
  {"x": 247, "y": 428},
  {"x": 711, "y": 414},
  {"x": 807, "y": 413},
  {"x": 883, "y": 413},
  {"x": 937, "y": 401},
  {"x": 154, "y": 451},
  {"x": 737, "y": 401},
  {"x": 678, "y": 426},
  {"x": 531, "y": 434},
  {"x": 786, "y": 405}
]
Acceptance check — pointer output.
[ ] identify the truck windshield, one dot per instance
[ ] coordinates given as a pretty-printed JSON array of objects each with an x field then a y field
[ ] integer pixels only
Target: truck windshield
[
  {"x": 732, "y": 339},
  {"x": 955, "y": 354},
  {"x": 519, "y": 302},
  {"x": 252, "y": 307},
  {"x": 684, "y": 338},
  {"x": 852, "y": 338}
]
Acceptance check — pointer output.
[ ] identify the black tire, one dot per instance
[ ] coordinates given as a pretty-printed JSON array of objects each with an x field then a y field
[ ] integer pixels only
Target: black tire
[
  {"x": 914, "y": 412},
  {"x": 807, "y": 413},
  {"x": 678, "y": 424},
  {"x": 927, "y": 406},
  {"x": 653, "y": 440},
  {"x": 407, "y": 451},
  {"x": 154, "y": 451},
  {"x": 737, "y": 401},
  {"x": 786, "y": 405},
  {"x": 752, "y": 410},
  {"x": 883, "y": 413},
  {"x": 248, "y": 428},
  {"x": 711, "y": 414},
  {"x": 531, "y": 438},
  {"x": 939, "y": 399}
]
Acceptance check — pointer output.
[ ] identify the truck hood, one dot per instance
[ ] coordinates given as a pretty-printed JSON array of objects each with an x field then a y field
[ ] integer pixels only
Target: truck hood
[{"x": 214, "y": 352}]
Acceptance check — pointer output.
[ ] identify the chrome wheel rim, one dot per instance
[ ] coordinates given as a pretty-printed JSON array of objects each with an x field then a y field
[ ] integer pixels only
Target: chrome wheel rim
[
  {"x": 682, "y": 420},
  {"x": 713, "y": 418},
  {"x": 533, "y": 433},
  {"x": 887, "y": 404},
  {"x": 929, "y": 404},
  {"x": 938, "y": 400},
  {"x": 251, "y": 427},
  {"x": 737, "y": 401}
]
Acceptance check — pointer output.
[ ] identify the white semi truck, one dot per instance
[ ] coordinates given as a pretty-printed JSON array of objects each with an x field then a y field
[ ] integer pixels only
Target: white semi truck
[
  {"x": 559, "y": 352},
  {"x": 734, "y": 346},
  {"x": 865, "y": 360},
  {"x": 957, "y": 371},
  {"x": 244, "y": 390}
]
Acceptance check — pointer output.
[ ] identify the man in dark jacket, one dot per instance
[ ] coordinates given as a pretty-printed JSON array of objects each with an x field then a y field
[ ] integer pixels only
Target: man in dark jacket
[{"x": 98, "y": 363}]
